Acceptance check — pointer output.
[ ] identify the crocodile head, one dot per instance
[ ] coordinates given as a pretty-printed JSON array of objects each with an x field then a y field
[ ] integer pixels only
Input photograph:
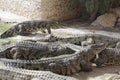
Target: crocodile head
[
  {"x": 94, "y": 50},
  {"x": 97, "y": 48}
]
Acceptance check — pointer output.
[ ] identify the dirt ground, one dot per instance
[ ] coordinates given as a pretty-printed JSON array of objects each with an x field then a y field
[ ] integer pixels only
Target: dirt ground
[{"x": 97, "y": 73}]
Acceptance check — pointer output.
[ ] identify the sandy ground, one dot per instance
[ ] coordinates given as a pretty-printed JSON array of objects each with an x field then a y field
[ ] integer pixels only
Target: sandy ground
[{"x": 98, "y": 73}]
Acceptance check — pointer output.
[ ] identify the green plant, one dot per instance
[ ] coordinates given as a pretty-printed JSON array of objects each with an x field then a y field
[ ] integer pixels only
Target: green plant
[
  {"x": 4, "y": 27},
  {"x": 96, "y": 7}
]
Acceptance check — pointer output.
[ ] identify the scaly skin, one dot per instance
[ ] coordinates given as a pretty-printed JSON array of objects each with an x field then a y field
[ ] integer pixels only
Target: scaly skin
[
  {"x": 32, "y": 50},
  {"x": 118, "y": 45},
  {"x": 115, "y": 77},
  {"x": 74, "y": 39},
  {"x": 110, "y": 41},
  {"x": 110, "y": 56},
  {"x": 12, "y": 73},
  {"x": 63, "y": 64},
  {"x": 28, "y": 27}
]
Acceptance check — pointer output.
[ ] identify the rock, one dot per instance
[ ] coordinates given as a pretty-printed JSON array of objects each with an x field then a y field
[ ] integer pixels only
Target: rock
[
  {"x": 106, "y": 20},
  {"x": 116, "y": 11}
]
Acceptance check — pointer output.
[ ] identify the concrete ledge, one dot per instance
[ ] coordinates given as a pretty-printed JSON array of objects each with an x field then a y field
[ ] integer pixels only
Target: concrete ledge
[
  {"x": 41, "y": 9},
  {"x": 11, "y": 18}
]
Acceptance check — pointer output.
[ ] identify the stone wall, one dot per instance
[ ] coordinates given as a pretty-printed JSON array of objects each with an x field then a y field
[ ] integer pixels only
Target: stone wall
[{"x": 41, "y": 9}]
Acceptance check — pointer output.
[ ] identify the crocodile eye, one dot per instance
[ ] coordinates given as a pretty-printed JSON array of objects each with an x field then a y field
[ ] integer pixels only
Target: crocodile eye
[
  {"x": 13, "y": 50},
  {"x": 20, "y": 26}
]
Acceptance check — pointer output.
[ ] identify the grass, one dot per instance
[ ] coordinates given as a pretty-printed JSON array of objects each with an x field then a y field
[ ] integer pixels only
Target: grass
[
  {"x": 3, "y": 41},
  {"x": 3, "y": 28}
]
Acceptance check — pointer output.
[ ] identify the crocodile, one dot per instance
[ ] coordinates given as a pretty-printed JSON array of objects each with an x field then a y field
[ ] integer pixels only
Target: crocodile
[
  {"x": 81, "y": 39},
  {"x": 28, "y": 27},
  {"x": 109, "y": 56},
  {"x": 109, "y": 40},
  {"x": 34, "y": 50},
  {"x": 73, "y": 39},
  {"x": 115, "y": 77},
  {"x": 12, "y": 73},
  {"x": 64, "y": 64},
  {"x": 118, "y": 45}
]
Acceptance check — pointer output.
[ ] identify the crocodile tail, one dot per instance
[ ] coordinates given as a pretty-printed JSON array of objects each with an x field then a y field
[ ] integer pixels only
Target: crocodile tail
[
  {"x": 10, "y": 32},
  {"x": 61, "y": 25},
  {"x": 56, "y": 25}
]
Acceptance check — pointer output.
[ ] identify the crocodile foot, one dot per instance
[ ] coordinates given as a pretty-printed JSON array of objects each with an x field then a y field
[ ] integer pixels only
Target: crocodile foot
[{"x": 85, "y": 67}]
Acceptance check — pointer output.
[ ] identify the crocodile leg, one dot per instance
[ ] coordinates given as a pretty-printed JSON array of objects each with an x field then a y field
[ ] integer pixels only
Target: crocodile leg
[
  {"x": 56, "y": 68},
  {"x": 49, "y": 30},
  {"x": 85, "y": 67},
  {"x": 110, "y": 56},
  {"x": 74, "y": 47},
  {"x": 100, "y": 61}
]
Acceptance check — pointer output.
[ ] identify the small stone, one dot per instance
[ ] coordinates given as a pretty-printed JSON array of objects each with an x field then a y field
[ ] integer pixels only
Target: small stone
[{"x": 106, "y": 20}]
